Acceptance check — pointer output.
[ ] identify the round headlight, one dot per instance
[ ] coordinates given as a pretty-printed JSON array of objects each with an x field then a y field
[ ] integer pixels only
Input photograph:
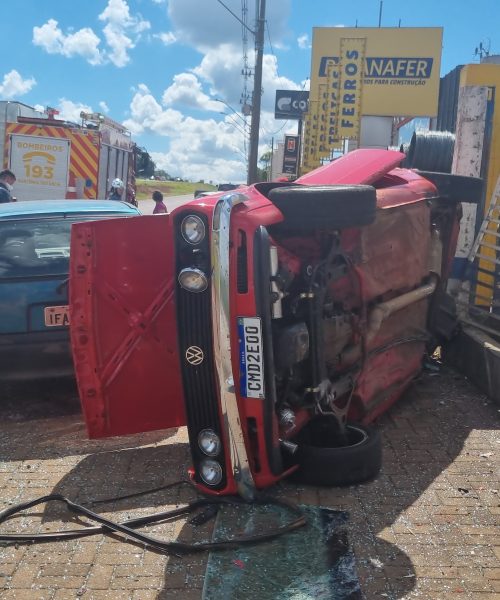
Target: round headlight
[
  {"x": 209, "y": 442},
  {"x": 192, "y": 229},
  {"x": 193, "y": 280},
  {"x": 210, "y": 472}
]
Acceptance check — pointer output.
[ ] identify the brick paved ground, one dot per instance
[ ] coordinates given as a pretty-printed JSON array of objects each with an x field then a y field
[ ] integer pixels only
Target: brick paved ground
[{"x": 428, "y": 527}]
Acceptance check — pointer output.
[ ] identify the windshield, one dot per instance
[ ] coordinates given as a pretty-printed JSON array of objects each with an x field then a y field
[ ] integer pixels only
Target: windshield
[{"x": 38, "y": 246}]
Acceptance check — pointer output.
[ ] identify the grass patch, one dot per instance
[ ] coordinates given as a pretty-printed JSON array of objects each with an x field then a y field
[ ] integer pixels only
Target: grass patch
[{"x": 145, "y": 188}]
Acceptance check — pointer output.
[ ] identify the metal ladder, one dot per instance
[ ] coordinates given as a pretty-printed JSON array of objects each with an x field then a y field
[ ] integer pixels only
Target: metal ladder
[{"x": 484, "y": 270}]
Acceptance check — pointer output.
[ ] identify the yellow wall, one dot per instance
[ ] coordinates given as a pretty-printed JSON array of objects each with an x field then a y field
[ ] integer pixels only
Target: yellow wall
[{"x": 487, "y": 75}]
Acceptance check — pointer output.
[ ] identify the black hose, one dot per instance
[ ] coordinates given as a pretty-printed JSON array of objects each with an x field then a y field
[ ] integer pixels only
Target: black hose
[
  {"x": 431, "y": 151},
  {"x": 127, "y": 528}
]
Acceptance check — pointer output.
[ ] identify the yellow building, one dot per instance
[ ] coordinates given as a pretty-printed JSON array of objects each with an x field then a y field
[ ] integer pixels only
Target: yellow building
[{"x": 488, "y": 75}]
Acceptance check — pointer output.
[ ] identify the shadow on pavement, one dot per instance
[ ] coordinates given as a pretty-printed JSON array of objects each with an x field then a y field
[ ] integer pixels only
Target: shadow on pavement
[
  {"x": 23, "y": 401},
  {"x": 422, "y": 435},
  {"x": 48, "y": 415}
]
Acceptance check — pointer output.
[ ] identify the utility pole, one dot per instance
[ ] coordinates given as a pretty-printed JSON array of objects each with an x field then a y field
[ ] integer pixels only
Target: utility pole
[{"x": 257, "y": 92}]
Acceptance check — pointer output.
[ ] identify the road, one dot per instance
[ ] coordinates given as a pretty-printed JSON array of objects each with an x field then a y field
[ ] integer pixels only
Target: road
[
  {"x": 426, "y": 528},
  {"x": 171, "y": 202}
]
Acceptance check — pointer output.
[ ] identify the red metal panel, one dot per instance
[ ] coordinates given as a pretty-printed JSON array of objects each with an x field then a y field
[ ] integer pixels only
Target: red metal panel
[
  {"x": 362, "y": 166},
  {"x": 123, "y": 329}
]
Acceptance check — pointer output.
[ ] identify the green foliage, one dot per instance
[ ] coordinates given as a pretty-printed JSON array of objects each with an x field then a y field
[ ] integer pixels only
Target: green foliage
[
  {"x": 145, "y": 188},
  {"x": 266, "y": 158},
  {"x": 145, "y": 166},
  {"x": 262, "y": 174}
]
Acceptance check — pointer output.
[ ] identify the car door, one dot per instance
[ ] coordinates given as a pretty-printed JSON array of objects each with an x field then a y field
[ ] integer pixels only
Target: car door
[{"x": 123, "y": 328}]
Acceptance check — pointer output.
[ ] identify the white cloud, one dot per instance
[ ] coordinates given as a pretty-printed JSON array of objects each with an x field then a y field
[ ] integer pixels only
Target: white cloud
[
  {"x": 221, "y": 68},
  {"x": 103, "y": 106},
  {"x": 14, "y": 85},
  {"x": 204, "y": 24},
  {"x": 167, "y": 38},
  {"x": 83, "y": 42},
  {"x": 117, "y": 13},
  {"x": 119, "y": 44},
  {"x": 49, "y": 37},
  {"x": 121, "y": 31},
  {"x": 70, "y": 111},
  {"x": 120, "y": 25},
  {"x": 187, "y": 90},
  {"x": 197, "y": 149},
  {"x": 303, "y": 42}
]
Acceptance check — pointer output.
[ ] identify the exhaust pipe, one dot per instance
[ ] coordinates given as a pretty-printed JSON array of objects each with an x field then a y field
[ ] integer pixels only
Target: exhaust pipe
[{"x": 384, "y": 310}]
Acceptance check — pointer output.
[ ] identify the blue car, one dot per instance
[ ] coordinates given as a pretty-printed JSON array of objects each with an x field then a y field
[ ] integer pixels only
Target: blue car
[{"x": 34, "y": 265}]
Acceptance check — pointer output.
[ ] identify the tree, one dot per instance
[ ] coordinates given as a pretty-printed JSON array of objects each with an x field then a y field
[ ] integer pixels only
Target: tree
[
  {"x": 262, "y": 174},
  {"x": 145, "y": 166},
  {"x": 265, "y": 172}
]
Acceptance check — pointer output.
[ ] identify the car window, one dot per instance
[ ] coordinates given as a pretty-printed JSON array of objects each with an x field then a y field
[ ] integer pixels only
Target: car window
[{"x": 32, "y": 247}]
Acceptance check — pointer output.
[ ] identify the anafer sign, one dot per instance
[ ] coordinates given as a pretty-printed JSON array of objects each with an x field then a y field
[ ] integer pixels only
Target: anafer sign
[{"x": 400, "y": 74}]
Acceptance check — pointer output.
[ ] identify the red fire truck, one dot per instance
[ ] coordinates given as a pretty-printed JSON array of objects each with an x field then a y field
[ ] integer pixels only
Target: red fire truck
[{"x": 55, "y": 159}]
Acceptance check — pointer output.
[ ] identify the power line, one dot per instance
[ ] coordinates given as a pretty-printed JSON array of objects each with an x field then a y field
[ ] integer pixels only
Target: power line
[
  {"x": 271, "y": 45},
  {"x": 235, "y": 16}
]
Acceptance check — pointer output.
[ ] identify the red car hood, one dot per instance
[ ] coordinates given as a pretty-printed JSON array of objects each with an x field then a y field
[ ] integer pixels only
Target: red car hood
[
  {"x": 355, "y": 168},
  {"x": 123, "y": 328}
]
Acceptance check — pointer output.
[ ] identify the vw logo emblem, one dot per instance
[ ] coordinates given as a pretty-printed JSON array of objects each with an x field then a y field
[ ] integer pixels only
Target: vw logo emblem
[{"x": 194, "y": 355}]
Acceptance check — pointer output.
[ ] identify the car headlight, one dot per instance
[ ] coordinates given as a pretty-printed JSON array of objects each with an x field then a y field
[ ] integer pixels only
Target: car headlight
[
  {"x": 209, "y": 442},
  {"x": 210, "y": 472},
  {"x": 193, "y": 229},
  {"x": 193, "y": 280}
]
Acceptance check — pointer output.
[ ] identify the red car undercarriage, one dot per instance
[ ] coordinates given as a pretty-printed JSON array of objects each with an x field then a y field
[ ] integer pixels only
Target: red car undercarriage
[{"x": 276, "y": 321}]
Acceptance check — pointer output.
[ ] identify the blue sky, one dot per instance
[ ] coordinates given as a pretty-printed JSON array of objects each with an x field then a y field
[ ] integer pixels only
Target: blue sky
[{"x": 159, "y": 65}]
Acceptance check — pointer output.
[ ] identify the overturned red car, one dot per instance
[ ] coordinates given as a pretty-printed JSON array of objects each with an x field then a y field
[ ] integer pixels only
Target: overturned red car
[{"x": 276, "y": 321}]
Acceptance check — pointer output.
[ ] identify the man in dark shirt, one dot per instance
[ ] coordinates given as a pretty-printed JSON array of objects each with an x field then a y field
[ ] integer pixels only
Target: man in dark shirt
[{"x": 7, "y": 180}]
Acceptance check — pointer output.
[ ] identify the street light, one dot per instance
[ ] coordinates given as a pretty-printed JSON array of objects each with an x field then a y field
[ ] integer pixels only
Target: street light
[
  {"x": 235, "y": 123},
  {"x": 231, "y": 109},
  {"x": 243, "y": 155}
]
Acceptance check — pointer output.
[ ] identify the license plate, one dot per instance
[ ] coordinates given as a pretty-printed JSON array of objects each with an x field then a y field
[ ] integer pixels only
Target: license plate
[
  {"x": 251, "y": 351},
  {"x": 56, "y": 316}
]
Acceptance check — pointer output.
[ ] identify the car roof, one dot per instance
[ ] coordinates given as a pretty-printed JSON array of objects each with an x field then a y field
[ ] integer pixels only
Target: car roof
[{"x": 30, "y": 208}]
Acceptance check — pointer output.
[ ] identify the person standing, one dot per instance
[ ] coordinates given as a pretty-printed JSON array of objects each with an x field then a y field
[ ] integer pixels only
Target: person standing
[
  {"x": 159, "y": 206},
  {"x": 7, "y": 180},
  {"x": 116, "y": 191}
]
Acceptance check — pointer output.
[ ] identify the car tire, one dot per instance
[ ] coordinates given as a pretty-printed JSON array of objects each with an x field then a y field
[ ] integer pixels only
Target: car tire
[
  {"x": 431, "y": 151},
  {"x": 458, "y": 188},
  {"x": 322, "y": 465},
  {"x": 325, "y": 206}
]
